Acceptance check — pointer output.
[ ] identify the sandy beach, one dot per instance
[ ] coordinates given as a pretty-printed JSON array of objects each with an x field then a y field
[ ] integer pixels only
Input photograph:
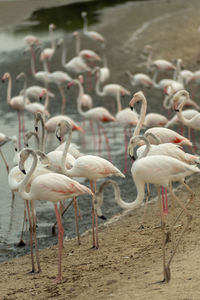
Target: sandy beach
[{"x": 129, "y": 261}]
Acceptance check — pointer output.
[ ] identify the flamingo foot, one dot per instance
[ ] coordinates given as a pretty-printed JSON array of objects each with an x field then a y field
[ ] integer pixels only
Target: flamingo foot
[
  {"x": 57, "y": 280},
  {"x": 141, "y": 227},
  {"x": 167, "y": 240},
  {"x": 21, "y": 243}
]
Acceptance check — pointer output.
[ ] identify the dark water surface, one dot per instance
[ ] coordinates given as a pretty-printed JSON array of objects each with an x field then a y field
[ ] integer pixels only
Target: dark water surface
[{"x": 67, "y": 19}]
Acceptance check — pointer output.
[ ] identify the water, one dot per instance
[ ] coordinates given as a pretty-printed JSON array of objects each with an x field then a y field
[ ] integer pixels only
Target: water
[{"x": 15, "y": 61}]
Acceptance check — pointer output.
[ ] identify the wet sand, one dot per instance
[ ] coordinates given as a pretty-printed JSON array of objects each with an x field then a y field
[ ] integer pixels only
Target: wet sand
[{"x": 129, "y": 261}]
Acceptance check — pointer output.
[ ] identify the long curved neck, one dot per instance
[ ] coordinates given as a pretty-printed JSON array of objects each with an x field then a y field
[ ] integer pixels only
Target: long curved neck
[
  {"x": 64, "y": 154},
  {"x": 119, "y": 105},
  {"x": 63, "y": 54},
  {"x": 79, "y": 97},
  {"x": 155, "y": 137},
  {"x": 42, "y": 143},
  {"x": 45, "y": 66},
  {"x": 154, "y": 78},
  {"x": 97, "y": 87},
  {"x": 46, "y": 103},
  {"x": 78, "y": 44},
  {"x": 104, "y": 58},
  {"x": 85, "y": 24},
  {"x": 147, "y": 148},
  {"x": 166, "y": 102},
  {"x": 142, "y": 116},
  {"x": 33, "y": 68},
  {"x": 180, "y": 116},
  {"x": 53, "y": 43},
  {"x": 24, "y": 183},
  {"x": 9, "y": 89},
  {"x": 149, "y": 59},
  {"x": 120, "y": 202}
]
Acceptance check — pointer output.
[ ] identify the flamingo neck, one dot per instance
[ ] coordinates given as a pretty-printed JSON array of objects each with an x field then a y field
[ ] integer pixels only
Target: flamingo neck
[
  {"x": 118, "y": 199},
  {"x": 97, "y": 87},
  {"x": 33, "y": 68},
  {"x": 180, "y": 116},
  {"x": 85, "y": 25},
  {"x": 119, "y": 105},
  {"x": 63, "y": 55},
  {"x": 64, "y": 155},
  {"x": 78, "y": 44},
  {"x": 53, "y": 44},
  {"x": 45, "y": 66},
  {"x": 9, "y": 89},
  {"x": 26, "y": 180},
  {"x": 142, "y": 116}
]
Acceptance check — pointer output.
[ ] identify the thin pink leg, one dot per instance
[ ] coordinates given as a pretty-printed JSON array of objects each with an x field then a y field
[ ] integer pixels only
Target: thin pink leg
[
  {"x": 93, "y": 133},
  {"x": 19, "y": 129},
  {"x": 60, "y": 243},
  {"x": 193, "y": 139},
  {"x": 164, "y": 201},
  {"x": 107, "y": 143},
  {"x": 31, "y": 236},
  {"x": 99, "y": 143},
  {"x": 23, "y": 125},
  {"x": 125, "y": 158}
]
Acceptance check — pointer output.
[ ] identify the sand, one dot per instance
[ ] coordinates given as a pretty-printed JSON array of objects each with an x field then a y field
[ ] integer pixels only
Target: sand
[{"x": 128, "y": 263}]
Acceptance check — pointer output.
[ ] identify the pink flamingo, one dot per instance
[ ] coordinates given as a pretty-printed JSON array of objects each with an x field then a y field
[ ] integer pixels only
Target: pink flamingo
[
  {"x": 93, "y": 35},
  {"x": 139, "y": 79},
  {"x": 194, "y": 122},
  {"x": 57, "y": 77},
  {"x": 51, "y": 124},
  {"x": 16, "y": 103},
  {"x": 34, "y": 107},
  {"x": 98, "y": 115},
  {"x": 154, "y": 120},
  {"x": 49, "y": 52},
  {"x": 166, "y": 135},
  {"x": 91, "y": 167},
  {"x": 50, "y": 187},
  {"x": 126, "y": 118},
  {"x": 160, "y": 170}
]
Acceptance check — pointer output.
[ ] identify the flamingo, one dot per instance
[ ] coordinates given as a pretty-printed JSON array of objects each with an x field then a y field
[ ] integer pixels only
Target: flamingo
[
  {"x": 98, "y": 114},
  {"x": 160, "y": 65},
  {"x": 93, "y": 35},
  {"x": 194, "y": 122},
  {"x": 34, "y": 107},
  {"x": 141, "y": 79},
  {"x": 57, "y": 77},
  {"x": 154, "y": 120},
  {"x": 126, "y": 118},
  {"x": 165, "y": 134},
  {"x": 16, "y": 103},
  {"x": 76, "y": 65},
  {"x": 3, "y": 140},
  {"x": 49, "y": 52},
  {"x": 50, "y": 125},
  {"x": 91, "y": 167},
  {"x": 160, "y": 170},
  {"x": 49, "y": 187}
]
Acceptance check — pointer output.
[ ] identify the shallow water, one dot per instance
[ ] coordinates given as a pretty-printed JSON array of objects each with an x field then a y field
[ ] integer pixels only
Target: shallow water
[{"x": 11, "y": 216}]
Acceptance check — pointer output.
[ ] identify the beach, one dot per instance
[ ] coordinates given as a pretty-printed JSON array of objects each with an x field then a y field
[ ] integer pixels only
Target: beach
[{"x": 128, "y": 263}]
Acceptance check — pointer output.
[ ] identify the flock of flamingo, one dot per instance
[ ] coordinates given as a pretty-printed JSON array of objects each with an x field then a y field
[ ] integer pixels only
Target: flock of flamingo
[{"x": 160, "y": 158}]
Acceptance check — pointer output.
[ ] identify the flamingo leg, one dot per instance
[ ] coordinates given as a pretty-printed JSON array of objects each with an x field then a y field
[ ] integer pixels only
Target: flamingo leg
[
  {"x": 53, "y": 229},
  {"x": 19, "y": 130},
  {"x": 31, "y": 236},
  {"x": 63, "y": 99},
  {"x": 93, "y": 133},
  {"x": 23, "y": 124},
  {"x": 99, "y": 143},
  {"x": 94, "y": 218},
  {"x": 125, "y": 157},
  {"x": 35, "y": 237},
  {"x": 4, "y": 160},
  {"x": 60, "y": 243},
  {"x": 145, "y": 207},
  {"x": 107, "y": 143},
  {"x": 189, "y": 219},
  {"x": 76, "y": 220}
]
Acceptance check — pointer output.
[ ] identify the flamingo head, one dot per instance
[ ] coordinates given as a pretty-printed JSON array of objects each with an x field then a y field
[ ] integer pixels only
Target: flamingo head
[
  {"x": 136, "y": 98},
  {"x": 134, "y": 141},
  {"x": 80, "y": 78},
  {"x": 62, "y": 128},
  {"x": 5, "y": 76},
  {"x": 178, "y": 98},
  {"x": 43, "y": 93},
  {"x": 83, "y": 14},
  {"x": 75, "y": 33},
  {"x": 52, "y": 26},
  {"x": 72, "y": 82}
]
